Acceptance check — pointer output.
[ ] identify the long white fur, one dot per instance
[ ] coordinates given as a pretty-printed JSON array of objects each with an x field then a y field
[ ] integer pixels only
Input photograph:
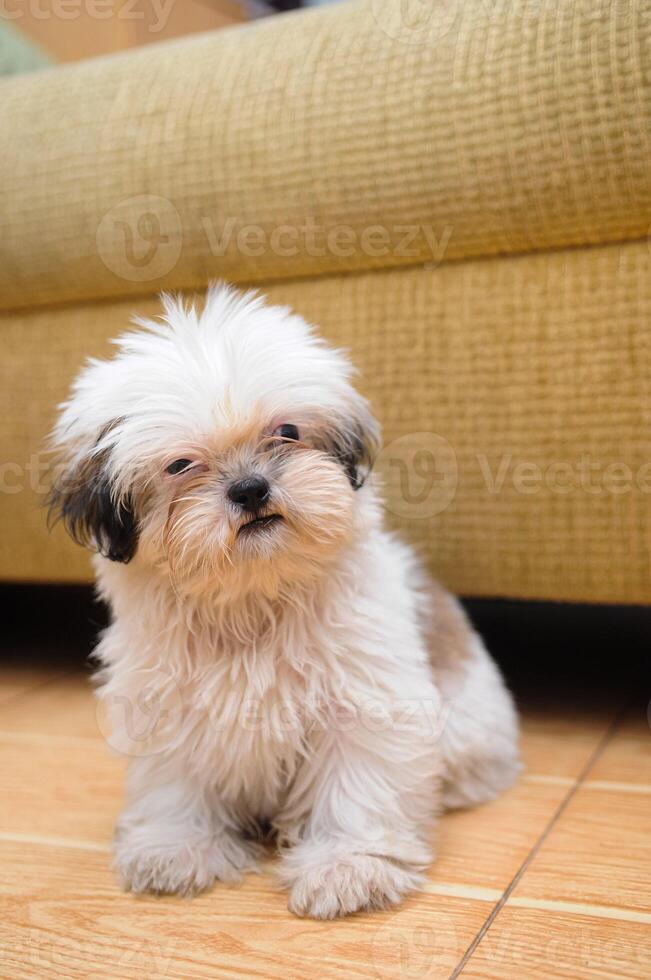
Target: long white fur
[{"x": 313, "y": 679}]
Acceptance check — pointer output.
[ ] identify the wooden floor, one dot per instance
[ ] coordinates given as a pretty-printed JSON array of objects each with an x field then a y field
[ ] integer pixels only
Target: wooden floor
[{"x": 551, "y": 880}]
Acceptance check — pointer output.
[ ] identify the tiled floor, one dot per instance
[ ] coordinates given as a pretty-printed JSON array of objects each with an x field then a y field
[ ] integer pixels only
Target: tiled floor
[{"x": 551, "y": 880}]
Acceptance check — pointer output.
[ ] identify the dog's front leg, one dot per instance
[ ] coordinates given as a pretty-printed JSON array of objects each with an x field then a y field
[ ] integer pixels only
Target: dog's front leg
[
  {"x": 359, "y": 820},
  {"x": 173, "y": 836}
]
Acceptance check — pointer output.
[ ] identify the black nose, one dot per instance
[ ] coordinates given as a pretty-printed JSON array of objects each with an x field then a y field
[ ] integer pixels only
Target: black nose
[{"x": 250, "y": 494}]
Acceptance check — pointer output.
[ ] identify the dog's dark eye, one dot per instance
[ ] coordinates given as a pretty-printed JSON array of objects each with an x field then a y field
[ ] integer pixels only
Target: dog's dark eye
[
  {"x": 178, "y": 466},
  {"x": 287, "y": 431}
]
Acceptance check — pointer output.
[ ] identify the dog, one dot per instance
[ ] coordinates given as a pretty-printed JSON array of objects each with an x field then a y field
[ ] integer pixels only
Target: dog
[{"x": 277, "y": 661}]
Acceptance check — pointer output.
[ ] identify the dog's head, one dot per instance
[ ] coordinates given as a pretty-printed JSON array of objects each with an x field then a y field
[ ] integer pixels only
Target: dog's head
[{"x": 223, "y": 443}]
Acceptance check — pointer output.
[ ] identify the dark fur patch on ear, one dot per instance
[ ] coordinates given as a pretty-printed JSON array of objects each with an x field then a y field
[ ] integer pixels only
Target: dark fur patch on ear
[
  {"x": 84, "y": 502},
  {"x": 354, "y": 445}
]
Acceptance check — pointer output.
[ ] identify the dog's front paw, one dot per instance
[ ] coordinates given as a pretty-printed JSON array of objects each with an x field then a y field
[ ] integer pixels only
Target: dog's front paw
[
  {"x": 352, "y": 883},
  {"x": 181, "y": 867}
]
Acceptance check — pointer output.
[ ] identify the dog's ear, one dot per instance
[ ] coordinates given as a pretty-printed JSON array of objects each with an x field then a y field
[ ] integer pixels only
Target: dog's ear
[
  {"x": 84, "y": 501},
  {"x": 354, "y": 442}
]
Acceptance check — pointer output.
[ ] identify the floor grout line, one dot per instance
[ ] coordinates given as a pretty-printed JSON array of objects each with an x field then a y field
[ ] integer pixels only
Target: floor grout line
[
  {"x": 56, "y": 676},
  {"x": 49, "y": 739},
  {"x": 615, "y": 787},
  {"x": 70, "y": 843},
  {"x": 598, "y": 750},
  {"x": 611, "y": 785},
  {"x": 474, "y": 893},
  {"x": 578, "y": 908}
]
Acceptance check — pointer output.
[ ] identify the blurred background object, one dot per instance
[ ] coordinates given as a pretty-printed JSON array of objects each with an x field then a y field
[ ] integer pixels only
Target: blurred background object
[
  {"x": 35, "y": 34},
  {"x": 85, "y": 29},
  {"x": 18, "y": 53}
]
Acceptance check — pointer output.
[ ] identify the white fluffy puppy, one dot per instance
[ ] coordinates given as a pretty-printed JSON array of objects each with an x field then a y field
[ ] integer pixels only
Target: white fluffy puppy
[{"x": 277, "y": 661}]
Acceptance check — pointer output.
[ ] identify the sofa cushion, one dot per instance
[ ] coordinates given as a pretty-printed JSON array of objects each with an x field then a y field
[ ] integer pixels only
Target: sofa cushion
[
  {"x": 513, "y": 393},
  {"x": 356, "y": 136}
]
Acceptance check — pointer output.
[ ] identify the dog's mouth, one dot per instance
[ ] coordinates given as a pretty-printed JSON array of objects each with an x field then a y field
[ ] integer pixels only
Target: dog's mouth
[{"x": 259, "y": 524}]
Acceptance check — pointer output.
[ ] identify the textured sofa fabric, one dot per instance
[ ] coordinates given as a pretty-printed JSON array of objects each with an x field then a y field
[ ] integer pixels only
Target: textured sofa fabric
[{"x": 462, "y": 199}]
